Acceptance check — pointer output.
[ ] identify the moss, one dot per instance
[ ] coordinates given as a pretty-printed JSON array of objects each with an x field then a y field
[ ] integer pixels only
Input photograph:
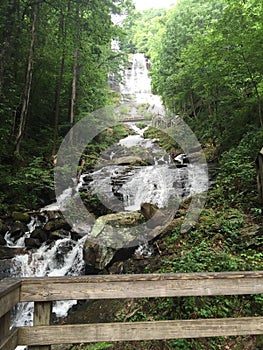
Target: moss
[{"x": 19, "y": 216}]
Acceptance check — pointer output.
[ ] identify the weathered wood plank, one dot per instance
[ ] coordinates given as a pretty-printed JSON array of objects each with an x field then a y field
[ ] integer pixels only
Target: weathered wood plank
[
  {"x": 10, "y": 342},
  {"x": 8, "y": 284},
  {"x": 136, "y": 286},
  {"x": 139, "y": 331},
  {"x": 42, "y": 317},
  {"x": 4, "y": 325},
  {"x": 9, "y": 294},
  {"x": 146, "y": 277}
]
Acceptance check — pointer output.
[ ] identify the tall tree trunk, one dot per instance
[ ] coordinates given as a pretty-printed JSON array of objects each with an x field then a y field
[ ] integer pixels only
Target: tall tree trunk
[
  {"x": 59, "y": 87},
  {"x": 74, "y": 87},
  {"x": 28, "y": 81},
  {"x": 74, "y": 75}
]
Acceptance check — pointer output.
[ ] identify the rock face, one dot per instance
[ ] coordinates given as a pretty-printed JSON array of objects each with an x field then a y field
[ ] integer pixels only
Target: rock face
[
  {"x": 125, "y": 160},
  {"x": 110, "y": 234},
  {"x": 114, "y": 237},
  {"x": 148, "y": 210}
]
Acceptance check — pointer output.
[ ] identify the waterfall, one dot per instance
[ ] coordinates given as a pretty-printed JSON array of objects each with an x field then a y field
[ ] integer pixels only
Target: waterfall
[
  {"x": 156, "y": 182},
  {"x": 136, "y": 86}
]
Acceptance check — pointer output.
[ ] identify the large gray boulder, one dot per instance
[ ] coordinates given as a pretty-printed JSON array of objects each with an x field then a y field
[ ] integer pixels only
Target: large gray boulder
[
  {"x": 115, "y": 235},
  {"x": 111, "y": 233}
]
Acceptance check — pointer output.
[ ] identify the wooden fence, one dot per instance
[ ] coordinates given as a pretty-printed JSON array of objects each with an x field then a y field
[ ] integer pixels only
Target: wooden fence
[{"x": 43, "y": 291}]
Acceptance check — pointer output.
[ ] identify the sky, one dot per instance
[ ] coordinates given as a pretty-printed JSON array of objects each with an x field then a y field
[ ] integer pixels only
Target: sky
[{"x": 145, "y": 4}]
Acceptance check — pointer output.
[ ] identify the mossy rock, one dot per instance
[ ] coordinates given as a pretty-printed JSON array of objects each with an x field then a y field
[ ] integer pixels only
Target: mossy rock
[
  {"x": 19, "y": 216},
  {"x": 6, "y": 253},
  {"x": 3, "y": 227}
]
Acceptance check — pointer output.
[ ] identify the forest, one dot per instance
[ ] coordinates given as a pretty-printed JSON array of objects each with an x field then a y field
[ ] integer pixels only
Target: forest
[
  {"x": 56, "y": 62},
  {"x": 56, "y": 58}
]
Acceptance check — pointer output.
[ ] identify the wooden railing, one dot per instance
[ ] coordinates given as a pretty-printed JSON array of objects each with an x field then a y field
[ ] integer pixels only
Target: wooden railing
[{"x": 43, "y": 291}]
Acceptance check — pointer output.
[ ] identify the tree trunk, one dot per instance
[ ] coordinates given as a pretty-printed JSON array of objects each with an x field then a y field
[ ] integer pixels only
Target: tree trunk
[
  {"x": 28, "y": 80},
  {"x": 74, "y": 87},
  {"x": 59, "y": 87},
  {"x": 74, "y": 76}
]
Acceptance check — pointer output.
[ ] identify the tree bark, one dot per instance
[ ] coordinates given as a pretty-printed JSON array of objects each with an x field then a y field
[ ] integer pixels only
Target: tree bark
[
  {"x": 74, "y": 87},
  {"x": 28, "y": 80},
  {"x": 59, "y": 86}
]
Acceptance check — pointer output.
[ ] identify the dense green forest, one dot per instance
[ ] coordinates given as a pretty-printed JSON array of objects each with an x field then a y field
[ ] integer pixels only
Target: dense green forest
[
  {"x": 56, "y": 58},
  {"x": 207, "y": 67}
]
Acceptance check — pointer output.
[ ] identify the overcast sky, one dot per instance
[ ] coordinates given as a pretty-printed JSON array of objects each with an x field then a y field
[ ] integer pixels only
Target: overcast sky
[{"x": 145, "y": 4}]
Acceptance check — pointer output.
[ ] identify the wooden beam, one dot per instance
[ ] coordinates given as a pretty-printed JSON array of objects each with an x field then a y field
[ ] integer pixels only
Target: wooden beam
[
  {"x": 9, "y": 294},
  {"x": 5, "y": 325},
  {"x": 140, "y": 331},
  {"x": 42, "y": 317},
  {"x": 11, "y": 341},
  {"x": 137, "y": 286}
]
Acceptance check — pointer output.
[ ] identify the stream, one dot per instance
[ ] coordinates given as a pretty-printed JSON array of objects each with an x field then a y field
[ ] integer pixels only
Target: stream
[{"x": 122, "y": 186}]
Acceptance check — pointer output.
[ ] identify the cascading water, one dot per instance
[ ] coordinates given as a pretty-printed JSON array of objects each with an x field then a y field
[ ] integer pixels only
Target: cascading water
[
  {"x": 136, "y": 85},
  {"x": 154, "y": 182},
  {"x": 61, "y": 258}
]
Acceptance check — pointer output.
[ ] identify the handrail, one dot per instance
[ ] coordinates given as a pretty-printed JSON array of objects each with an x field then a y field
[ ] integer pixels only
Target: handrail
[{"x": 43, "y": 290}]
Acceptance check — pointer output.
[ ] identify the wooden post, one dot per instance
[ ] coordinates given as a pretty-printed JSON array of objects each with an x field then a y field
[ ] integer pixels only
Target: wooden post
[
  {"x": 4, "y": 326},
  {"x": 42, "y": 317}
]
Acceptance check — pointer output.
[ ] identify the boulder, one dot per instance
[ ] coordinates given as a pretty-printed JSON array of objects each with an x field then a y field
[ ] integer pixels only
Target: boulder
[
  {"x": 32, "y": 243},
  {"x": 59, "y": 234},
  {"x": 17, "y": 230},
  {"x": 22, "y": 217},
  {"x": 3, "y": 228},
  {"x": 125, "y": 160},
  {"x": 2, "y": 240},
  {"x": 148, "y": 210},
  {"x": 110, "y": 234},
  {"x": 39, "y": 234},
  {"x": 6, "y": 253},
  {"x": 57, "y": 224}
]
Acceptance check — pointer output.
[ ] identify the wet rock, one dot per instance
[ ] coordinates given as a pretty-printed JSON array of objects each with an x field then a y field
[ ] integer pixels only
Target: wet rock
[
  {"x": 148, "y": 210},
  {"x": 2, "y": 240},
  {"x": 110, "y": 234},
  {"x": 22, "y": 217},
  {"x": 6, "y": 253},
  {"x": 56, "y": 224},
  {"x": 53, "y": 214},
  {"x": 32, "y": 243},
  {"x": 5, "y": 267},
  {"x": 126, "y": 160},
  {"x": 3, "y": 228},
  {"x": 39, "y": 234},
  {"x": 59, "y": 234},
  {"x": 17, "y": 230}
]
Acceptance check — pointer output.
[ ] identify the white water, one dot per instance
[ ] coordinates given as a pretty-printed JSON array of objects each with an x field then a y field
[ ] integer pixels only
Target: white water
[
  {"x": 137, "y": 85},
  {"x": 153, "y": 184}
]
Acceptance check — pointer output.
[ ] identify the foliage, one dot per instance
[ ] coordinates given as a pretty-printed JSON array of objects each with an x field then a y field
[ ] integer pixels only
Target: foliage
[
  {"x": 28, "y": 186},
  {"x": 72, "y": 49},
  {"x": 206, "y": 70}
]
